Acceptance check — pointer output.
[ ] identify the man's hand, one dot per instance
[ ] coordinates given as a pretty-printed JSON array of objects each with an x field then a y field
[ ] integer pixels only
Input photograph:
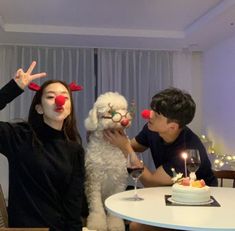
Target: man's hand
[
  {"x": 24, "y": 78},
  {"x": 119, "y": 139}
]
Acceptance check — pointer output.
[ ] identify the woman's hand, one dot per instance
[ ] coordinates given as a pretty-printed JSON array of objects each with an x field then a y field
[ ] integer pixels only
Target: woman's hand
[
  {"x": 119, "y": 139},
  {"x": 24, "y": 78}
]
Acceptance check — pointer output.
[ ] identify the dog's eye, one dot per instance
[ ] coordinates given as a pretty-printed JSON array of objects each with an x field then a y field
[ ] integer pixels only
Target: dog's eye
[
  {"x": 112, "y": 112},
  {"x": 117, "y": 117}
]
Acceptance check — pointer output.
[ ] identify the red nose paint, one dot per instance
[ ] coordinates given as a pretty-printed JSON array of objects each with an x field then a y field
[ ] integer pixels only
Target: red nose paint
[
  {"x": 59, "y": 100},
  {"x": 145, "y": 114},
  {"x": 124, "y": 122}
]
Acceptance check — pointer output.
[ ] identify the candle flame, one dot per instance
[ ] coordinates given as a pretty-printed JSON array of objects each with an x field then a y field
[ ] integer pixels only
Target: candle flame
[{"x": 184, "y": 155}]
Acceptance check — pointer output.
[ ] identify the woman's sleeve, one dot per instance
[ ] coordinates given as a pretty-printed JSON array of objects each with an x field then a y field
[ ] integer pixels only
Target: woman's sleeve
[
  {"x": 9, "y": 92},
  {"x": 75, "y": 195}
]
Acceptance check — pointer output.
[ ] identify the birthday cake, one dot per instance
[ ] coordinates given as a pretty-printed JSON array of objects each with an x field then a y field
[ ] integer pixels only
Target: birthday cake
[{"x": 187, "y": 191}]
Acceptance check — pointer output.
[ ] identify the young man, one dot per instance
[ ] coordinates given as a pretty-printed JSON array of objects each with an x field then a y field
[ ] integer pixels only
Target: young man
[{"x": 167, "y": 136}]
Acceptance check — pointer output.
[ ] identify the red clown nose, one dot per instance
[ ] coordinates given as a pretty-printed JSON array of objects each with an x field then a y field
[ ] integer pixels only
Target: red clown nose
[
  {"x": 125, "y": 122},
  {"x": 59, "y": 100},
  {"x": 145, "y": 114}
]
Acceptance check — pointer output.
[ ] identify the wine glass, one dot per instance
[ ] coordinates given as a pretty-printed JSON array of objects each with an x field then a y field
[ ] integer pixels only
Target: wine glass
[
  {"x": 135, "y": 167},
  {"x": 193, "y": 162}
]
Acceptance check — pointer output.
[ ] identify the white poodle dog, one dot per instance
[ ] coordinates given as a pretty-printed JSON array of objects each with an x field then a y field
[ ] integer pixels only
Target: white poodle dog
[{"x": 106, "y": 171}]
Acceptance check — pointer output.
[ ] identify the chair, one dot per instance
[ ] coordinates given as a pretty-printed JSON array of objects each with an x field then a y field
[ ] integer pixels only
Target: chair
[
  {"x": 3, "y": 210},
  {"x": 225, "y": 174}
]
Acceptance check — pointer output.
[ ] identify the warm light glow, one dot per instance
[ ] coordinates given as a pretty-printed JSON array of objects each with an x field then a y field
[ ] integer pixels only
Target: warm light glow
[
  {"x": 221, "y": 163},
  {"x": 228, "y": 157},
  {"x": 203, "y": 137},
  {"x": 184, "y": 155}
]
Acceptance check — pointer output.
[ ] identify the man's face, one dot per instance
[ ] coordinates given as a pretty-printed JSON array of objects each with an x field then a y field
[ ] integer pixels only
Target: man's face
[{"x": 158, "y": 123}]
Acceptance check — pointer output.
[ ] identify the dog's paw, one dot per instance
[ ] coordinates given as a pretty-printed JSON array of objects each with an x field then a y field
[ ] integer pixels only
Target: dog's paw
[
  {"x": 115, "y": 224},
  {"x": 97, "y": 221}
]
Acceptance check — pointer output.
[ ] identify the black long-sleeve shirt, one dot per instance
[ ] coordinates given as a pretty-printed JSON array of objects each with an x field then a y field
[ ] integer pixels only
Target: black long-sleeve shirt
[{"x": 46, "y": 178}]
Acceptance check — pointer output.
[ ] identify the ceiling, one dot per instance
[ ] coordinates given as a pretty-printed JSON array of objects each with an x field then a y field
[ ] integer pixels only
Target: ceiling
[{"x": 143, "y": 24}]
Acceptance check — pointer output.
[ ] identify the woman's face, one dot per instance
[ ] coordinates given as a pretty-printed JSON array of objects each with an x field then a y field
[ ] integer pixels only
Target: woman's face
[{"x": 54, "y": 115}]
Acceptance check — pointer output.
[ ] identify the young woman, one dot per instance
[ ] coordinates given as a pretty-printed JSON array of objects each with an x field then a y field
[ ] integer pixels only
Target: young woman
[{"x": 46, "y": 158}]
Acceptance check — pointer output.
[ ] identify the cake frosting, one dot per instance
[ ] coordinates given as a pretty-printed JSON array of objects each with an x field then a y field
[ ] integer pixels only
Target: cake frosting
[
  {"x": 194, "y": 192},
  {"x": 190, "y": 194}
]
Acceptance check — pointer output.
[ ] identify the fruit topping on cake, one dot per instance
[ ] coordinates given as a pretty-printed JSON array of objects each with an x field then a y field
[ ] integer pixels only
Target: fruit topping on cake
[{"x": 186, "y": 181}]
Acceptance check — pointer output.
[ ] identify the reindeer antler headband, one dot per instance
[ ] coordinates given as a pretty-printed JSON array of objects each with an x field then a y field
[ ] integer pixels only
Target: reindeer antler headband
[{"x": 73, "y": 87}]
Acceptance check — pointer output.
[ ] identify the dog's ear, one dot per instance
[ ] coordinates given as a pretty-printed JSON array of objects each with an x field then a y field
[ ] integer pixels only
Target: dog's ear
[{"x": 91, "y": 121}]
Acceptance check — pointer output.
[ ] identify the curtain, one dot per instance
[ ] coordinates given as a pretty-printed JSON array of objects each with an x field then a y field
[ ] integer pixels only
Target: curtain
[
  {"x": 138, "y": 75},
  {"x": 7, "y": 68},
  {"x": 67, "y": 64},
  {"x": 187, "y": 75},
  {"x": 182, "y": 69}
]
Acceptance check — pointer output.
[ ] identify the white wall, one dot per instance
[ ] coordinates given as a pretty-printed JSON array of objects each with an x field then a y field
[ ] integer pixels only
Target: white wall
[{"x": 219, "y": 96}]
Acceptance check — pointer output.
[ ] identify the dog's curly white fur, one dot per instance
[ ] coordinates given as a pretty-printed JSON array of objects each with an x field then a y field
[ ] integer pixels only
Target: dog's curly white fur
[{"x": 106, "y": 172}]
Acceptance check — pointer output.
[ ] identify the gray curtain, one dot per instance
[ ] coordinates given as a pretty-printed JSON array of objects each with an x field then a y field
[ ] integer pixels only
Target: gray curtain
[
  {"x": 67, "y": 64},
  {"x": 138, "y": 75}
]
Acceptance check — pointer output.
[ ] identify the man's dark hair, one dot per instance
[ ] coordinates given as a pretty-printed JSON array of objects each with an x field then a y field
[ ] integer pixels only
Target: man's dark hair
[{"x": 176, "y": 105}]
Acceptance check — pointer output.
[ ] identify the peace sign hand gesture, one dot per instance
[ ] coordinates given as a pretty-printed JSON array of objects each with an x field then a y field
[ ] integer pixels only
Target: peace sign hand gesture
[{"x": 24, "y": 78}]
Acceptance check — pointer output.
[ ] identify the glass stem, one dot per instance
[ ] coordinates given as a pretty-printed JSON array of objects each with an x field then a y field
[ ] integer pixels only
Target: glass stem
[{"x": 136, "y": 181}]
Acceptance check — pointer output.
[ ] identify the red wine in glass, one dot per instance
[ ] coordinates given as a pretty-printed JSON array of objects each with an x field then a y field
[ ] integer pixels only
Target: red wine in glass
[
  {"x": 135, "y": 167},
  {"x": 135, "y": 172}
]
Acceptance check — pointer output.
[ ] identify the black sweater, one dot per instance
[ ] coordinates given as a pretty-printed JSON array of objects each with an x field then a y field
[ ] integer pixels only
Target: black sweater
[{"x": 45, "y": 180}]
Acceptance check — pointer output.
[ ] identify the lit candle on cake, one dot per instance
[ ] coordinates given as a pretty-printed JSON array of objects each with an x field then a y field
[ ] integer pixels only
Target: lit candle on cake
[{"x": 184, "y": 155}]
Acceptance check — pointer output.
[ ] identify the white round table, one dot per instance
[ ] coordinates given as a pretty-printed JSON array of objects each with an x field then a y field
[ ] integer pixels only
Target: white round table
[{"x": 154, "y": 211}]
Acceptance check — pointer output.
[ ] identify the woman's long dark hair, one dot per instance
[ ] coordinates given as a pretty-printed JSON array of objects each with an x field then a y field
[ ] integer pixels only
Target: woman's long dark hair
[{"x": 69, "y": 125}]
